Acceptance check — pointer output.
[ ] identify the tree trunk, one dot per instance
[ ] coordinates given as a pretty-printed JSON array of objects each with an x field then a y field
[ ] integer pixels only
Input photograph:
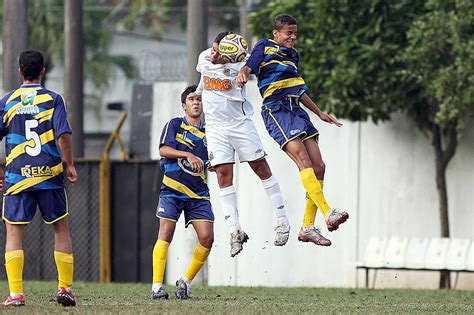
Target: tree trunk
[
  {"x": 74, "y": 72},
  {"x": 442, "y": 158}
]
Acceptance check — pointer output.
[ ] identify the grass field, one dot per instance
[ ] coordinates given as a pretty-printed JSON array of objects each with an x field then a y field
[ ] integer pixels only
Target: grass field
[{"x": 134, "y": 298}]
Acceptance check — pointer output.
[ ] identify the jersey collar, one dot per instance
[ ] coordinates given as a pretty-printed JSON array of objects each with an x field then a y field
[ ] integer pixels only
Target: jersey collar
[{"x": 187, "y": 123}]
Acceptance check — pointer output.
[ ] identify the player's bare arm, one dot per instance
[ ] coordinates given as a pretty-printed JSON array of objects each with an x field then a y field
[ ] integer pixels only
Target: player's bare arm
[
  {"x": 243, "y": 76},
  {"x": 65, "y": 145},
  {"x": 308, "y": 102},
  {"x": 170, "y": 153}
]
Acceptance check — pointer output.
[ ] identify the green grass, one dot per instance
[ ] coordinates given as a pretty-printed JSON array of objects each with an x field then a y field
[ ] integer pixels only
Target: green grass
[{"x": 134, "y": 298}]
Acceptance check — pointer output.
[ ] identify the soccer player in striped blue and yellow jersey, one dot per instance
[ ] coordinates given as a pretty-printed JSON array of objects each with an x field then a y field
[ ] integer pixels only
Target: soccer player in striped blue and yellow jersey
[
  {"x": 183, "y": 151},
  {"x": 33, "y": 120},
  {"x": 275, "y": 63}
]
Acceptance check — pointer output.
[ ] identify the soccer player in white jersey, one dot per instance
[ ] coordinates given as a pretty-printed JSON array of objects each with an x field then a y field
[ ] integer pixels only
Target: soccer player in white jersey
[{"x": 230, "y": 130}]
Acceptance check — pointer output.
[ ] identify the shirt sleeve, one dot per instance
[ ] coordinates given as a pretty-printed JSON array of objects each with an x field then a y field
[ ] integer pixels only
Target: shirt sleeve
[
  {"x": 60, "y": 122},
  {"x": 201, "y": 59},
  {"x": 199, "y": 87},
  {"x": 168, "y": 135},
  {"x": 256, "y": 57}
]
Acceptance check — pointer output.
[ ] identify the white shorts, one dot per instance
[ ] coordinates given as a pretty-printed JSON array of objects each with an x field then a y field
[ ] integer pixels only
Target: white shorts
[{"x": 224, "y": 141}]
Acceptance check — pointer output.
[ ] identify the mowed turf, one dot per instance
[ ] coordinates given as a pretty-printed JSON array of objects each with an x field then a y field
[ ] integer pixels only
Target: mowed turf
[{"x": 135, "y": 298}]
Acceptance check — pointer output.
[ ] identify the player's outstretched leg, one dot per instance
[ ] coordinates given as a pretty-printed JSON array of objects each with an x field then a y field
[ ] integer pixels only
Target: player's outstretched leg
[
  {"x": 272, "y": 188},
  {"x": 333, "y": 218},
  {"x": 229, "y": 207}
]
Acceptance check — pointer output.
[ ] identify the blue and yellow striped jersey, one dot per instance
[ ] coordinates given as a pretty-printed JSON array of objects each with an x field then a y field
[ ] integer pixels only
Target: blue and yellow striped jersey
[
  {"x": 32, "y": 118},
  {"x": 179, "y": 180},
  {"x": 276, "y": 68}
]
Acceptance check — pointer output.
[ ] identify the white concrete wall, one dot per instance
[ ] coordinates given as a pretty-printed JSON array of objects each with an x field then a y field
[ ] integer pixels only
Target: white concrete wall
[{"x": 382, "y": 175}]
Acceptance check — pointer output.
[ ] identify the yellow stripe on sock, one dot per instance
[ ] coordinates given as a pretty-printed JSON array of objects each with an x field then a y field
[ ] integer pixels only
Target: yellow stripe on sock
[
  {"x": 160, "y": 252},
  {"x": 199, "y": 257},
  {"x": 14, "y": 261},
  {"x": 65, "y": 266}
]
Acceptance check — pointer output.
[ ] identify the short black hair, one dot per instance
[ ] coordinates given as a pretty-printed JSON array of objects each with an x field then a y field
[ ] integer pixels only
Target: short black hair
[
  {"x": 220, "y": 36},
  {"x": 186, "y": 92},
  {"x": 31, "y": 64},
  {"x": 284, "y": 19}
]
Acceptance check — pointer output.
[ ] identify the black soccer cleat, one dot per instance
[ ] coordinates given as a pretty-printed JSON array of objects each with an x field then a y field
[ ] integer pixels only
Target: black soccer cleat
[
  {"x": 161, "y": 294},
  {"x": 65, "y": 297}
]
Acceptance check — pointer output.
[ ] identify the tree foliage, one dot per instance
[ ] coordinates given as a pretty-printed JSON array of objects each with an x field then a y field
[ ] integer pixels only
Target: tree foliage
[
  {"x": 370, "y": 58},
  {"x": 46, "y": 33}
]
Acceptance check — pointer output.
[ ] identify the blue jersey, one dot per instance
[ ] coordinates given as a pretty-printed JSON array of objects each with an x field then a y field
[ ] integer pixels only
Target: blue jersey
[
  {"x": 179, "y": 180},
  {"x": 32, "y": 118},
  {"x": 276, "y": 68}
]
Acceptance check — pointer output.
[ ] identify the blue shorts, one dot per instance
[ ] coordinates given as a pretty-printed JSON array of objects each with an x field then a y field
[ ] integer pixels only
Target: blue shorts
[
  {"x": 21, "y": 208},
  {"x": 170, "y": 208},
  {"x": 285, "y": 121}
]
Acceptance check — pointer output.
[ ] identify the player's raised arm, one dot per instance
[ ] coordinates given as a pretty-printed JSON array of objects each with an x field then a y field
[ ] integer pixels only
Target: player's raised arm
[
  {"x": 243, "y": 76},
  {"x": 308, "y": 102}
]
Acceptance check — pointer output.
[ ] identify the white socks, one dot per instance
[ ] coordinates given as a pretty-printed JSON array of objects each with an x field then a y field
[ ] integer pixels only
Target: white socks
[
  {"x": 274, "y": 193},
  {"x": 156, "y": 286},
  {"x": 229, "y": 207}
]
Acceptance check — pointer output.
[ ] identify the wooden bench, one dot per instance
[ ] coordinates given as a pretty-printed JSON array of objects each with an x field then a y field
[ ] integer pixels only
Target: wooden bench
[{"x": 403, "y": 253}]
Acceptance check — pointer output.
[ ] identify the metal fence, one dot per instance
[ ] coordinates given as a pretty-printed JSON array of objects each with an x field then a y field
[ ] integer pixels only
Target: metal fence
[
  {"x": 158, "y": 66},
  {"x": 133, "y": 226},
  {"x": 83, "y": 199}
]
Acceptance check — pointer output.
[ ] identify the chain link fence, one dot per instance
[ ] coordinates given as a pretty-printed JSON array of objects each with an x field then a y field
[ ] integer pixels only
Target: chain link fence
[
  {"x": 159, "y": 66},
  {"x": 83, "y": 200}
]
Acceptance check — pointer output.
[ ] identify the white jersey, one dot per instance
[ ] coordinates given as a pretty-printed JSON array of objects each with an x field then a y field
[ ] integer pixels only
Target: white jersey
[{"x": 222, "y": 101}]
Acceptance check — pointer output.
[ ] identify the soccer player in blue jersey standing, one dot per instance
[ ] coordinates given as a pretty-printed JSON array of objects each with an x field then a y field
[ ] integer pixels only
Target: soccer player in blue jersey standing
[
  {"x": 34, "y": 121},
  {"x": 275, "y": 63},
  {"x": 183, "y": 151}
]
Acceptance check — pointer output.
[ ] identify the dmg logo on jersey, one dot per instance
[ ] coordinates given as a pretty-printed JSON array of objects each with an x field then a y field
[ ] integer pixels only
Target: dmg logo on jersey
[
  {"x": 28, "y": 101},
  {"x": 217, "y": 84},
  {"x": 29, "y": 171}
]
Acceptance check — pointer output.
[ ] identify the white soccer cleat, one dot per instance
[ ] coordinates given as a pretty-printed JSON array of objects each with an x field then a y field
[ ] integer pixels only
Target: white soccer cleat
[
  {"x": 336, "y": 218},
  {"x": 237, "y": 239},
  {"x": 282, "y": 232},
  {"x": 313, "y": 235}
]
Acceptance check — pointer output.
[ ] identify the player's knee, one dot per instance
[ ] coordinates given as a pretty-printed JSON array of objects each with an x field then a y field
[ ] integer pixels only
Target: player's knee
[
  {"x": 262, "y": 170},
  {"x": 319, "y": 167},
  {"x": 224, "y": 178},
  {"x": 165, "y": 233},
  {"x": 207, "y": 241}
]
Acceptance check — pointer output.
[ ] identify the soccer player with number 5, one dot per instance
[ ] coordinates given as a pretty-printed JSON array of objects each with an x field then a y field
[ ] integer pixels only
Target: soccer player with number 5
[{"x": 34, "y": 119}]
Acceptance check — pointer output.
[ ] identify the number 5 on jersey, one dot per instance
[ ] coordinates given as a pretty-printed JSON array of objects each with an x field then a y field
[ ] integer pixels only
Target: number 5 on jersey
[{"x": 32, "y": 135}]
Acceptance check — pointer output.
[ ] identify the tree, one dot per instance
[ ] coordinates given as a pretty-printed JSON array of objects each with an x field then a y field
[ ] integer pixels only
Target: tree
[
  {"x": 46, "y": 23},
  {"x": 370, "y": 58}
]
